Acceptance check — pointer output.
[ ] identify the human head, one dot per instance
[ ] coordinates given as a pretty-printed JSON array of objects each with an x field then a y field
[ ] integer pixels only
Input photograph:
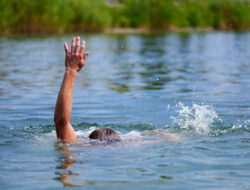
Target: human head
[{"x": 104, "y": 134}]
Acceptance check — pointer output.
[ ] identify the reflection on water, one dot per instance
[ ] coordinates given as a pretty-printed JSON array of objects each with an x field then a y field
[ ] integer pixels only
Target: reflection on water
[
  {"x": 126, "y": 63},
  {"x": 66, "y": 161}
]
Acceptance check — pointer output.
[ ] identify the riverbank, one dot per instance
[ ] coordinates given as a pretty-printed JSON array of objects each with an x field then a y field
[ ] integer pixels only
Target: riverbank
[
  {"x": 140, "y": 16},
  {"x": 124, "y": 31},
  {"x": 146, "y": 30}
]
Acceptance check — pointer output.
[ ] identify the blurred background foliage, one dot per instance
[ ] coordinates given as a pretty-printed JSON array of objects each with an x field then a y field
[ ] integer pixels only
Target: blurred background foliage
[{"x": 61, "y": 16}]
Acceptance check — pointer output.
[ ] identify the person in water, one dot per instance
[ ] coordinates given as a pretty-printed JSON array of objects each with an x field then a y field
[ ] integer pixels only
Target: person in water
[{"x": 74, "y": 61}]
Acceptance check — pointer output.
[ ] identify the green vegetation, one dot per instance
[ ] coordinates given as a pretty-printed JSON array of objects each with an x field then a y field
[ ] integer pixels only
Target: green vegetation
[{"x": 61, "y": 16}]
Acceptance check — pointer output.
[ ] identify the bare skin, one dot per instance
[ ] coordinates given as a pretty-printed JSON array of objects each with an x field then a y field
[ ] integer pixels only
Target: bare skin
[{"x": 74, "y": 61}]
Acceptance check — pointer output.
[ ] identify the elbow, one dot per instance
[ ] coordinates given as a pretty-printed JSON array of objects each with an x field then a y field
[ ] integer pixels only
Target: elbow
[{"x": 59, "y": 121}]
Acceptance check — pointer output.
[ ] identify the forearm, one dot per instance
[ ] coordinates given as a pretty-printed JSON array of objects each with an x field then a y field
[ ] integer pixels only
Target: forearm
[
  {"x": 64, "y": 101},
  {"x": 64, "y": 130}
]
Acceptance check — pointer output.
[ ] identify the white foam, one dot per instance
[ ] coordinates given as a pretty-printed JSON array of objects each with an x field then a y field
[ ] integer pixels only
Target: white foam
[
  {"x": 197, "y": 117},
  {"x": 239, "y": 127},
  {"x": 132, "y": 135},
  {"x": 84, "y": 134},
  {"x": 48, "y": 137}
]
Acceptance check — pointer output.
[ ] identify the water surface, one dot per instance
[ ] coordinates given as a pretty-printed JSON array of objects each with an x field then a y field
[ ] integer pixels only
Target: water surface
[{"x": 194, "y": 85}]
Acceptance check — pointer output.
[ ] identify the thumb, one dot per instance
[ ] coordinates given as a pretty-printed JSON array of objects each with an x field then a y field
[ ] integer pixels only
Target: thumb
[
  {"x": 85, "y": 55},
  {"x": 66, "y": 48}
]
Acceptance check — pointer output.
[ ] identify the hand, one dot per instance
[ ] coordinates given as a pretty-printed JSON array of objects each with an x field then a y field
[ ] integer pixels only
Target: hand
[{"x": 75, "y": 60}]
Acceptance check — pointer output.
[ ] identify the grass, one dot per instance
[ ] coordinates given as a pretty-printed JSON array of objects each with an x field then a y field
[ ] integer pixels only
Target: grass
[{"x": 62, "y": 16}]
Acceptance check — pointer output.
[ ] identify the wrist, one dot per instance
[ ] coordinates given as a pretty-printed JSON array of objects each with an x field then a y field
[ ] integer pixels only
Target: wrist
[{"x": 71, "y": 72}]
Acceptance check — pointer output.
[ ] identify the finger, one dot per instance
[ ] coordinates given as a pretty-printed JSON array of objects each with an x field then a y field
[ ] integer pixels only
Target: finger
[
  {"x": 77, "y": 45},
  {"x": 82, "y": 47},
  {"x": 73, "y": 45},
  {"x": 66, "y": 48},
  {"x": 85, "y": 55}
]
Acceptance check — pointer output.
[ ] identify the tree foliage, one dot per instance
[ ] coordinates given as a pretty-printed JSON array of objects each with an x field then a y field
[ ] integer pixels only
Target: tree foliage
[{"x": 59, "y": 16}]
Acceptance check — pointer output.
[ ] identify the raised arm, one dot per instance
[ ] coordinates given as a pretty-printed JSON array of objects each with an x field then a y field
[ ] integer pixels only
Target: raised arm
[{"x": 74, "y": 61}]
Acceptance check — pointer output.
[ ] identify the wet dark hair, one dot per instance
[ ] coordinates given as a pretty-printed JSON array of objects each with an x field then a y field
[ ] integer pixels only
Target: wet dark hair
[{"x": 105, "y": 134}]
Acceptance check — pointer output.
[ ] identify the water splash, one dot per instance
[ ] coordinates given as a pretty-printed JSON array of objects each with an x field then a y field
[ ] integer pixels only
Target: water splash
[
  {"x": 197, "y": 117},
  {"x": 131, "y": 136},
  {"x": 83, "y": 134}
]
